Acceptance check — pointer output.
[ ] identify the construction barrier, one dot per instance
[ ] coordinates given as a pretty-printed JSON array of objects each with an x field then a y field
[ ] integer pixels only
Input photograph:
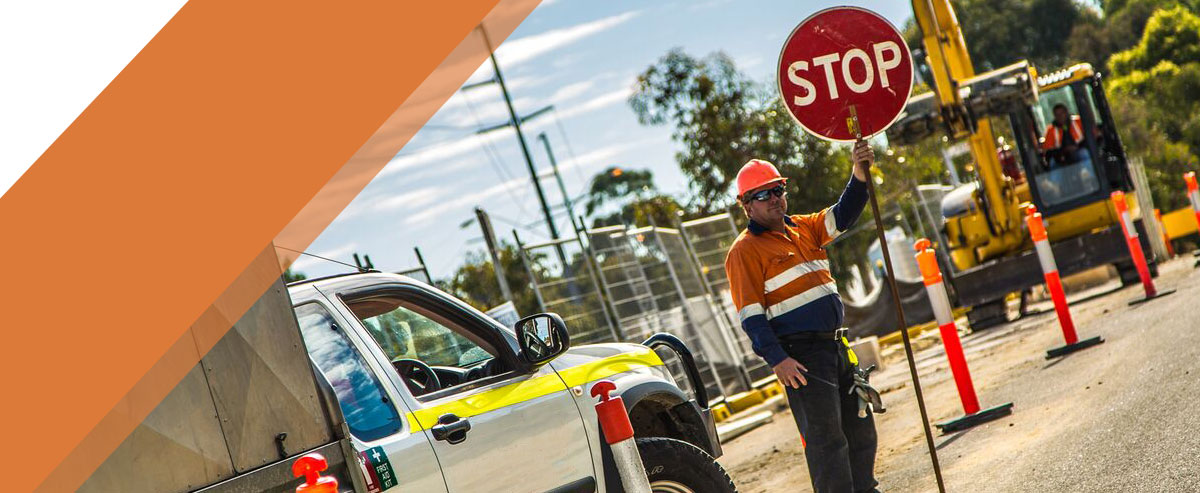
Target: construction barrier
[
  {"x": 1166, "y": 238},
  {"x": 932, "y": 276},
  {"x": 618, "y": 432},
  {"x": 1041, "y": 243},
  {"x": 1135, "y": 249}
]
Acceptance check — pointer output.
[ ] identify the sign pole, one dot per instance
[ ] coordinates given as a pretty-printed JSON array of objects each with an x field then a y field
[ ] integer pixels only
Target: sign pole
[{"x": 903, "y": 325}]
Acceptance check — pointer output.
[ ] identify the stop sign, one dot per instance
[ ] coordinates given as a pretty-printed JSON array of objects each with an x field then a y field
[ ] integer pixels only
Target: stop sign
[{"x": 843, "y": 60}]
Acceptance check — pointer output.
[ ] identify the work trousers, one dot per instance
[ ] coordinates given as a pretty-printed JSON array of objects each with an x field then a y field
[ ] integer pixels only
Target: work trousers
[{"x": 839, "y": 445}]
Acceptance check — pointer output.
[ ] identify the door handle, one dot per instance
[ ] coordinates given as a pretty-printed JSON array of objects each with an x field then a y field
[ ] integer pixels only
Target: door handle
[{"x": 451, "y": 428}]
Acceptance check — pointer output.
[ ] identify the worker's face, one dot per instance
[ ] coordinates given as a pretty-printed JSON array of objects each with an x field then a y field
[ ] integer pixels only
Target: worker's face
[
  {"x": 767, "y": 212},
  {"x": 1061, "y": 115}
]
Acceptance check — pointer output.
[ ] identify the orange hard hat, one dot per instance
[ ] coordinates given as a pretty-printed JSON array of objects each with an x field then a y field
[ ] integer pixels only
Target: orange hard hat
[{"x": 756, "y": 173}]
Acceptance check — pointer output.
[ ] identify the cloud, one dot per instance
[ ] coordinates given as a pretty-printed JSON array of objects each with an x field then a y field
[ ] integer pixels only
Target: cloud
[
  {"x": 385, "y": 202},
  {"x": 463, "y": 202},
  {"x": 308, "y": 261},
  {"x": 571, "y": 90},
  {"x": 593, "y": 104},
  {"x": 519, "y": 50}
]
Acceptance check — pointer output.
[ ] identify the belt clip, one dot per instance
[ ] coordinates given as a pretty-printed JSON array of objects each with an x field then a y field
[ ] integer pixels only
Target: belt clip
[{"x": 841, "y": 333}]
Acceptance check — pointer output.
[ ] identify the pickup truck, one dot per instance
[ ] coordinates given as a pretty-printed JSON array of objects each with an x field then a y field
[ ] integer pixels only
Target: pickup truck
[
  {"x": 440, "y": 397},
  {"x": 408, "y": 389}
]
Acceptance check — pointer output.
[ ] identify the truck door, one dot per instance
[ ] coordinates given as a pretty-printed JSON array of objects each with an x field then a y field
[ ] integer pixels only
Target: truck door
[
  {"x": 495, "y": 428},
  {"x": 394, "y": 453}
]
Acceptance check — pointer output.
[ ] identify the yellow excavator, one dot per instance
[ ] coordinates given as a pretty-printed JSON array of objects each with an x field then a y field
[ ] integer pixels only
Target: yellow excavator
[{"x": 983, "y": 230}]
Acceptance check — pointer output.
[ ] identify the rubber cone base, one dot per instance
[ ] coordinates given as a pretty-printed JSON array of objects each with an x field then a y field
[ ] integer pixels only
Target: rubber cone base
[
  {"x": 1160, "y": 294},
  {"x": 1070, "y": 348},
  {"x": 978, "y": 418}
]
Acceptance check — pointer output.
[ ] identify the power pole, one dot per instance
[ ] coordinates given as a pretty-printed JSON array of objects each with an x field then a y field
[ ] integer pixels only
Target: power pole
[
  {"x": 558, "y": 177},
  {"x": 489, "y": 236},
  {"x": 516, "y": 124}
]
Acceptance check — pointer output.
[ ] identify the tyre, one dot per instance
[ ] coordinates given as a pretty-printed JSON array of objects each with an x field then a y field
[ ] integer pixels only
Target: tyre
[{"x": 675, "y": 466}]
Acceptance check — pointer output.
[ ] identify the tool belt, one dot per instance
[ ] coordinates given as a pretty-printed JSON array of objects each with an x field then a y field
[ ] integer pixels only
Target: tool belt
[{"x": 868, "y": 397}]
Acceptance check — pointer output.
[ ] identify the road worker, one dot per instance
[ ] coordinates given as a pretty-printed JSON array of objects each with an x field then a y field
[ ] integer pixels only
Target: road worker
[
  {"x": 1063, "y": 142},
  {"x": 789, "y": 306}
]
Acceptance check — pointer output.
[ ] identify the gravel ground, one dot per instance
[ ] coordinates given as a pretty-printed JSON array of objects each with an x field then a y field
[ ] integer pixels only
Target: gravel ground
[{"x": 1115, "y": 417}]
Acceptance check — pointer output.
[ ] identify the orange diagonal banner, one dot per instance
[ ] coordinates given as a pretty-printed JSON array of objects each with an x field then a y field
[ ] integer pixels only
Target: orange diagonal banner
[{"x": 141, "y": 234}]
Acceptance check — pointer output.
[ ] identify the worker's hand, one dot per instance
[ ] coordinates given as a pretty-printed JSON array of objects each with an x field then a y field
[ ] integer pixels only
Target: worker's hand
[
  {"x": 864, "y": 158},
  {"x": 788, "y": 373}
]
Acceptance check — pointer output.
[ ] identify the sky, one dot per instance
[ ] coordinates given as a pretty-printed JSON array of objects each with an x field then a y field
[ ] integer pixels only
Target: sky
[{"x": 580, "y": 56}]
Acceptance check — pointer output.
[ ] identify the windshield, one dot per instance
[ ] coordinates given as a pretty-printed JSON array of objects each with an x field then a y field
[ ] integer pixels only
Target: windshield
[{"x": 1067, "y": 170}]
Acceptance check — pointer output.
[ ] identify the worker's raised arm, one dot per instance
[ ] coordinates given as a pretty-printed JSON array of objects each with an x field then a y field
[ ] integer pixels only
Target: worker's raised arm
[
  {"x": 830, "y": 223},
  {"x": 747, "y": 287}
]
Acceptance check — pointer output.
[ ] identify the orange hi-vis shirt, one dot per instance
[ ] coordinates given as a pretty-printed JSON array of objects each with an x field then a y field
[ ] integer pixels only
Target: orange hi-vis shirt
[
  {"x": 1054, "y": 135},
  {"x": 780, "y": 282}
]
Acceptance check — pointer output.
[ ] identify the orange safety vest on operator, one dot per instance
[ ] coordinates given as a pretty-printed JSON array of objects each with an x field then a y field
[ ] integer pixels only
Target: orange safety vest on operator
[{"x": 1053, "y": 138}]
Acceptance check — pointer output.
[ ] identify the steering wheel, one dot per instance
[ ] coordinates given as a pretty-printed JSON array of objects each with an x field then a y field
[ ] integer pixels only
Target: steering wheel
[{"x": 419, "y": 377}]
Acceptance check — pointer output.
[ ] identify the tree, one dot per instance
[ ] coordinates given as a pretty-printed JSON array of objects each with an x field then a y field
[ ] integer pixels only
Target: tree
[
  {"x": 290, "y": 275},
  {"x": 617, "y": 185},
  {"x": 475, "y": 281},
  {"x": 723, "y": 119}
]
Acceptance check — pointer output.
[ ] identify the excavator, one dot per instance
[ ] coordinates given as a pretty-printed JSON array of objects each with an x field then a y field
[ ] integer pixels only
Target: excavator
[{"x": 989, "y": 250}]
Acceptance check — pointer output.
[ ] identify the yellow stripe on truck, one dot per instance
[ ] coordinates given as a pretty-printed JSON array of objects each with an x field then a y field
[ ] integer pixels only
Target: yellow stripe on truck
[{"x": 533, "y": 388}]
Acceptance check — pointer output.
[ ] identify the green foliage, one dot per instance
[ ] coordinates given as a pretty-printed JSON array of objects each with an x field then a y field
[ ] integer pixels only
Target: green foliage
[
  {"x": 1154, "y": 99},
  {"x": 616, "y": 185},
  {"x": 723, "y": 119},
  {"x": 290, "y": 275},
  {"x": 475, "y": 281},
  {"x": 1172, "y": 35}
]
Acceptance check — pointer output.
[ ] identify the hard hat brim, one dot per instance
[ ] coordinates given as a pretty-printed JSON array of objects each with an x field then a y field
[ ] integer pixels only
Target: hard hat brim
[{"x": 780, "y": 179}]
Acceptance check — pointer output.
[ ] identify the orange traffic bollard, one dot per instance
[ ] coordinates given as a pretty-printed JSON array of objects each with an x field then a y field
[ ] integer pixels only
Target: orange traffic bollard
[
  {"x": 310, "y": 466},
  {"x": 618, "y": 432},
  {"x": 1041, "y": 243},
  {"x": 1194, "y": 197},
  {"x": 1135, "y": 249},
  {"x": 932, "y": 275}
]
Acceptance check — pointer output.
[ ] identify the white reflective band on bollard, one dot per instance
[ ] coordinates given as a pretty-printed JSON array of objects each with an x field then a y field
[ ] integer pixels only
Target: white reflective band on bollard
[
  {"x": 940, "y": 303},
  {"x": 1133, "y": 233},
  {"x": 1045, "y": 256}
]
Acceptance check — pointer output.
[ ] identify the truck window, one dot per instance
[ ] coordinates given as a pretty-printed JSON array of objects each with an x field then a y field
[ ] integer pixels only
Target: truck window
[{"x": 368, "y": 412}]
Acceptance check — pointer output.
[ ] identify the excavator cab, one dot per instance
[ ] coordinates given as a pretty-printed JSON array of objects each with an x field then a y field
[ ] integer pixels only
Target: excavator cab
[{"x": 1078, "y": 162}]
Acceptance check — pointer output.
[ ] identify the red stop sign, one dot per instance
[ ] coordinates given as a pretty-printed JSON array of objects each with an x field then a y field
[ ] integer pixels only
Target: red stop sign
[{"x": 840, "y": 58}]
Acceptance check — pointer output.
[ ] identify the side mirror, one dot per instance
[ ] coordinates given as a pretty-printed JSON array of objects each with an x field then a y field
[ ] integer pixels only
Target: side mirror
[{"x": 542, "y": 337}]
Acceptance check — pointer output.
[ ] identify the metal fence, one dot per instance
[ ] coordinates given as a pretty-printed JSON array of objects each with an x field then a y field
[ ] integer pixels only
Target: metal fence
[
  {"x": 565, "y": 283},
  {"x": 621, "y": 284},
  {"x": 709, "y": 240}
]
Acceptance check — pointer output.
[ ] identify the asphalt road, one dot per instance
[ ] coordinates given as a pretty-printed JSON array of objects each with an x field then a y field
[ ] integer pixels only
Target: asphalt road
[{"x": 1121, "y": 416}]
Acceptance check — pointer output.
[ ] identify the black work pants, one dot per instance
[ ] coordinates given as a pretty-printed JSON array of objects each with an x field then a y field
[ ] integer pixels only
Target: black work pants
[{"x": 839, "y": 445}]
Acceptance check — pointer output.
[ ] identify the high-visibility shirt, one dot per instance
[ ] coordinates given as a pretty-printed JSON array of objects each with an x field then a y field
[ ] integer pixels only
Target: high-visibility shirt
[
  {"x": 780, "y": 282},
  {"x": 1054, "y": 135}
]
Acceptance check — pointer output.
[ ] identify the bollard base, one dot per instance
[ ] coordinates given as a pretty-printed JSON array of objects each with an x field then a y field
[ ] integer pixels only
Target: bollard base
[
  {"x": 978, "y": 418},
  {"x": 1070, "y": 348},
  {"x": 1160, "y": 294}
]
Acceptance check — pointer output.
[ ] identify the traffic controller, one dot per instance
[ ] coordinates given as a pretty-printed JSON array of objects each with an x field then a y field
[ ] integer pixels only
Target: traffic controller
[
  {"x": 1041, "y": 243},
  {"x": 618, "y": 432},
  {"x": 932, "y": 276},
  {"x": 1135, "y": 249}
]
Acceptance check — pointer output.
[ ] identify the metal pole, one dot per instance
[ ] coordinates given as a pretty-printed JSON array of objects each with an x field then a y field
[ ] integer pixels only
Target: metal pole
[
  {"x": 424, "y": 268},
  {"x": 516, "y": 123},
  {"x": 489, "y": 236},
  {"x": 687, "y": 311},
  {"x": 537, "y": 292},
  {"x": 912, "y": 365},
  {"x": 558, "y": 177}
]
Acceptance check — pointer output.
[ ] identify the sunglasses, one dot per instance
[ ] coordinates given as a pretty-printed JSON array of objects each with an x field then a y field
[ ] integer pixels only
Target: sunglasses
[{"x": 765, "y": 195}]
